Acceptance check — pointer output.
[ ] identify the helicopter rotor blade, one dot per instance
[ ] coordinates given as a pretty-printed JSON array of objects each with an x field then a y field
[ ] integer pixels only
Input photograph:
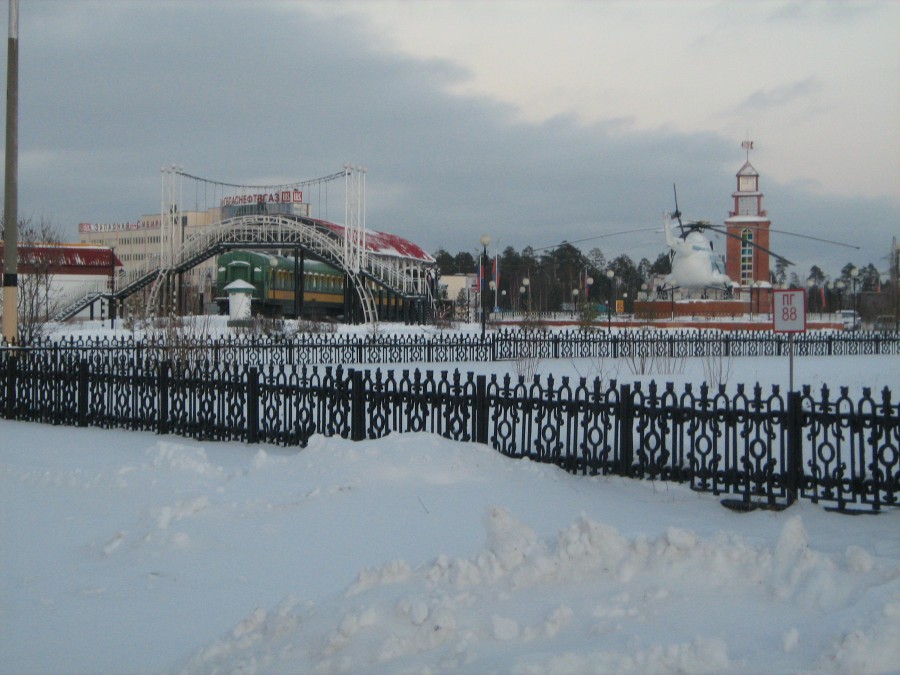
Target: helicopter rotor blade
[
  {"x": 597, "y": 236},
  {"x": 748, "y": 241},
  {"x": 677, "y": 213},
  {"x": 794, "y": 234}
]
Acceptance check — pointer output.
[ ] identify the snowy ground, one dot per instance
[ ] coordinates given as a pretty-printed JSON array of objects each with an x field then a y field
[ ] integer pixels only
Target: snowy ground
[{"x": 131, "y": 552}]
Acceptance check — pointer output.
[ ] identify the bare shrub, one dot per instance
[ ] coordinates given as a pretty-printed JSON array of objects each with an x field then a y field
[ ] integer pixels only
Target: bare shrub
[
  {"x": 717, "y": 368},
  {"x": 528, "y": 359}
]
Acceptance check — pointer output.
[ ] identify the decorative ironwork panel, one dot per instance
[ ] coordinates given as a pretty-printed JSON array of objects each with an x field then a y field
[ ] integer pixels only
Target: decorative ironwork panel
[
  {"x": 454, "y": 396},
  {"x": 758, "y": 457},
  {"x": 658, "y": 425},
  {"x": 707, "y": 438}
]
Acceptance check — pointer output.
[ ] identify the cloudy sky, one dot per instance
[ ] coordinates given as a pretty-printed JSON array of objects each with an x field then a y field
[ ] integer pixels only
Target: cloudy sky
[{"x": 530, "y": 121}]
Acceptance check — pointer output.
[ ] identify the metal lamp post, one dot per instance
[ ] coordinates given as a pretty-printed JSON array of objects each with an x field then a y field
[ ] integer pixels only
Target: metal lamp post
[
  {"x": 526, "y": 285},
  {"x": 854, "y": 277},
  {"x": 485, "y": 240},
  {"x": 574, "y": 301},
  {"x": 609, "y": 275}
]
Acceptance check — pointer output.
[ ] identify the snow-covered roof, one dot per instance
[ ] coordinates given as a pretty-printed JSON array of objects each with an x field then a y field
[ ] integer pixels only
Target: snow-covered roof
[
  {"x": 383, "y": 243},
  {"x": 64, "y": 258},
  {"x": 746, "y": 219},
  {"x": 239, "y": 286},
  {"x": 747, "y": 170}
]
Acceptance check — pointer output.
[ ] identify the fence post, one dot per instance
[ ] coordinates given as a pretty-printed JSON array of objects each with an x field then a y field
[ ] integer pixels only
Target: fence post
[
  {"x": 162, "y": 420},
  {"x": 252, "y": 404},
  {"x": 357, "y": 406},
  {"x": 626, "y": 430},
  {"x": 793, "y": 480},
  {"x": 82, "y": 392},
  {"x": 11, "y": 373},
  {"x": 481, "y": 410}
]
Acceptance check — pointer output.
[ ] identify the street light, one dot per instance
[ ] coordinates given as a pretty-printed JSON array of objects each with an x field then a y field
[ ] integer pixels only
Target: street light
[
  {"x": 485, "y": 240},
  {"x": 526, "y": 285},
  {"x": 609, "y": 275},
  {"x": 854, "y": 277},
  {"x": 574, "y": 300}
]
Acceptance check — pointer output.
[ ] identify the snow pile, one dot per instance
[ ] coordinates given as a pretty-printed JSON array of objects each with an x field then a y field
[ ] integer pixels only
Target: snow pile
[
  {"x": 131, "y": 552},
  {"x": 611, "y": 595}
]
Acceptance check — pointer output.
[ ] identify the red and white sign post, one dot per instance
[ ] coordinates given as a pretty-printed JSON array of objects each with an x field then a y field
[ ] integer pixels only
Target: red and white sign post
[{"x": 789, "y": 314}]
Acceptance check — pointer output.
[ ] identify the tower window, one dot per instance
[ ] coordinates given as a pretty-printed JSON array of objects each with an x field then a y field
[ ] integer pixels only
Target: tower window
[
  {"x": 747, "y": 206},
  {"x": 747, "y": 251}
]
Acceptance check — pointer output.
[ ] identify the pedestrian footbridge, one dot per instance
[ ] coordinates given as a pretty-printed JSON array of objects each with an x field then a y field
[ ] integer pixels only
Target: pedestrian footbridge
[{"x": 373, "y": 263}]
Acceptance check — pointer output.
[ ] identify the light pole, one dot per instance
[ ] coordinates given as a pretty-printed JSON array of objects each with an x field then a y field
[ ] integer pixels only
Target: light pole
[
  {"x": 609, "y": 275},
  {"x": 574, "y": 301},
  {"x": 840, "y": 291},
  {"x": 485, "y": 240},
  {"x": 526, "y": 284},
  {"x": 854, "y": 277}
]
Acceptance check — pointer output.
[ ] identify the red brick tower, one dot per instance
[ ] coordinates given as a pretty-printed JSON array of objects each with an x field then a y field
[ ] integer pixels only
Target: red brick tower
[{"x": 744, "y": 263}]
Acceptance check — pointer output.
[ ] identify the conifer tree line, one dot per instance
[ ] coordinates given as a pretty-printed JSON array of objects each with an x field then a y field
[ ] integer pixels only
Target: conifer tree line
[{"x": 554, "y": 272}]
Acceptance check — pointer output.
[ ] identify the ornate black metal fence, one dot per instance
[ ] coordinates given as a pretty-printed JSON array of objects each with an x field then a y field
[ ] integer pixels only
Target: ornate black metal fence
[
  {"x": 453, "y": 347},
  {"x": 760, "y": 446}
]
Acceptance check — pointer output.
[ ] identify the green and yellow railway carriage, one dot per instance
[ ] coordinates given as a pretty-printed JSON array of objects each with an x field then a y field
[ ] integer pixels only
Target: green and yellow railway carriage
[{"x": 272, "y": 277}]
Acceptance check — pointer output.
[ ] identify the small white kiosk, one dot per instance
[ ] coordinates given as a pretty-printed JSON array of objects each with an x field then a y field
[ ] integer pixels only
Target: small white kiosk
[{"x": 240, "y": 295}]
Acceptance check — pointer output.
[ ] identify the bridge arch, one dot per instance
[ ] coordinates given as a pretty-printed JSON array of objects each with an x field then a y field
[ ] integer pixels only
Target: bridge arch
[{"x": 325, "y": 241}]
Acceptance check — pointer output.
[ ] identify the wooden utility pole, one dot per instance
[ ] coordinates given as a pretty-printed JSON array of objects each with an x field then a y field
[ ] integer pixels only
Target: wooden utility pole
[{"x": 10, "y": 203}]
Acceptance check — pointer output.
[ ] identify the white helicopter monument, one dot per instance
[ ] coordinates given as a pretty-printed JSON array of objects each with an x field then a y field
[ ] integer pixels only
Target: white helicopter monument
[{"x": 696, "y": 268}]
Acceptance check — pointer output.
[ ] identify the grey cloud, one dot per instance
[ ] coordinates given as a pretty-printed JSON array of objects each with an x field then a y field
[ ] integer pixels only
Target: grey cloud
[
  {"x": 235, "y": 91},
  {"x": 779, "y": 96}
]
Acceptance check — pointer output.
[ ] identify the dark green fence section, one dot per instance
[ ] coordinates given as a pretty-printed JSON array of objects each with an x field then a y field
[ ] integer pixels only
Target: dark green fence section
[
  {"x": 763, "y": 447},
  {"x": 454, "y": 347}
]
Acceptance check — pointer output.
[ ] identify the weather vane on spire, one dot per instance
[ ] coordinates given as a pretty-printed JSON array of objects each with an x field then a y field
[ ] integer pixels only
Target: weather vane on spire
[{"x": 748, "y": 146}]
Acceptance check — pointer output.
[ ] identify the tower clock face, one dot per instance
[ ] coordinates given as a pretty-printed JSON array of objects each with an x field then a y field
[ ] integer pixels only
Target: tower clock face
[{"x": 748, "y": 184}]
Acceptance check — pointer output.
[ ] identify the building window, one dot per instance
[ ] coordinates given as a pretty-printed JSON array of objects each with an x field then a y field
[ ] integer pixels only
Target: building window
[
  {"x": 747, "y": 206},
  {"x": 747, "y": 252}
]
